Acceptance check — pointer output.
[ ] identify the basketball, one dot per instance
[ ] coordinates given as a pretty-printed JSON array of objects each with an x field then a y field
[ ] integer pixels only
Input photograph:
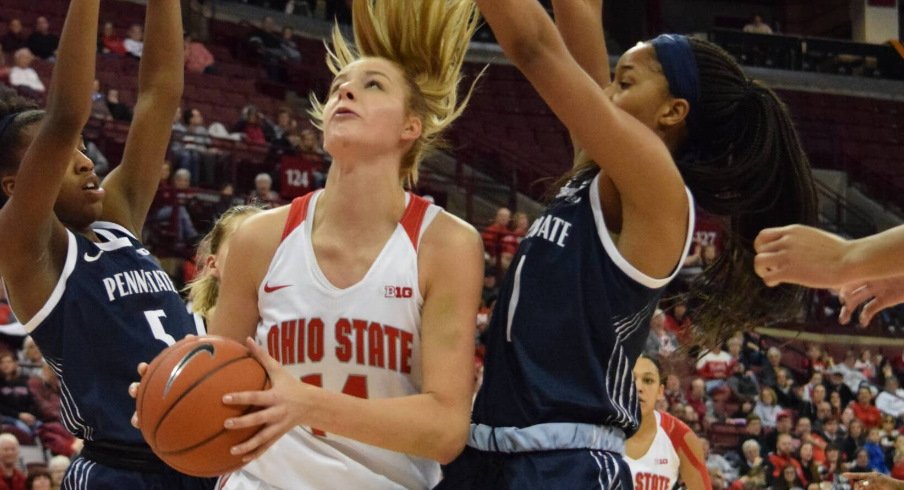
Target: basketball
[{"x": 180, "y": 408}]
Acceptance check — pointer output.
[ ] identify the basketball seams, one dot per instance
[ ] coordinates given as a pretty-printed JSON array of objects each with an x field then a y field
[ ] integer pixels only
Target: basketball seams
[{"x": 185, "y": 391}]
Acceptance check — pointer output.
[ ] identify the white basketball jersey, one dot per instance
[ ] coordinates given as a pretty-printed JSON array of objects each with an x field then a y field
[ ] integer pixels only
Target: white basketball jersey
[
  {"x": 363, "y": 340},
  {"x": 658, "y": 468}
]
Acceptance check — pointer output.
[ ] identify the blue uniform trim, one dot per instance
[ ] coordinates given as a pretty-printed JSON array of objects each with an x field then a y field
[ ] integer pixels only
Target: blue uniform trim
[{"x": 546, "y": 437}]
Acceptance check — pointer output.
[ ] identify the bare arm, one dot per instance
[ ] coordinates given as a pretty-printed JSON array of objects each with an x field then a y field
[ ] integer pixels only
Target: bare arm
[
  {"x": 653, "y": 199},
  {"x": 34, "y": 241},
  {"x": 814, "y": 258},
  {"x": 432, "y": 424},
  {"x": 131, "y": 186},
  {"x": 692, "y": 468},
  {"x": 580, "y": 22}
]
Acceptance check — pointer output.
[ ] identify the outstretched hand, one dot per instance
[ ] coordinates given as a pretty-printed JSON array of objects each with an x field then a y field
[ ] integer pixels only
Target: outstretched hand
[
  {"x": 874, "y": 296},
  {"x": 798, "y": 254},
  {"x": 873, "y": 481},
  {"x": 281, "y": 406}
]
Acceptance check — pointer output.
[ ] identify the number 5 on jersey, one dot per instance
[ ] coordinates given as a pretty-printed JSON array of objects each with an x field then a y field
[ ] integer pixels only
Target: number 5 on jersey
[{"x": 355, "y": 385}]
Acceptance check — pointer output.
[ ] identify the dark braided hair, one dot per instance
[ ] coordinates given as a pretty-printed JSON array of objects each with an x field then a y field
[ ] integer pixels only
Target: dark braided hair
[
  {"x": 746, "y": 164},
  {"x": 11, "y": 147}
]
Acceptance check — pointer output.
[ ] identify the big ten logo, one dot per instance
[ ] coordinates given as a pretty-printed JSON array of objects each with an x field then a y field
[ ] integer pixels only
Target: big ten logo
[{"x": 398, "y": 292}]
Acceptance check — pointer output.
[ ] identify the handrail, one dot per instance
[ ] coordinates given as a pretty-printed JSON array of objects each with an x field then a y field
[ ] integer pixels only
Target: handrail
[{"x": 844, "y": 210}]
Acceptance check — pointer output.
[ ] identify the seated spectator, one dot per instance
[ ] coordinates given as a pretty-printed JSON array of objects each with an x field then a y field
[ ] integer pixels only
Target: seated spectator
[
  {"x": 699, "y": 403},
  {"x": 834, "y": 465},
  {"x": 510, "y": 241},
  {"x": 263, "y": 193},
  {"x": 23, "y": 75},
  {"x": 714, "y": 367},
  {"x": 12, "y": 477},
  {"x": 804, "y": 432},
  {"x": 767, "y": 407},
  {"x": 253, "y": 127},
  {"x": 752, "y": 467},
  {"x": 891, "y": 400},
  {"x": 784, "y": 423},
  {"x": 198, "y": 59},
  {"x": 118, "y": 110},
  {"x": 865, "y": 365},
  {"x": 769, "y": 373},
  {"x": 897, "y": 458},
  {"x": 810, "y": 408},
  {"x": 756, "y": 25},
  {"x": 860, "y": 464},
  {"x": 110, "y": 42},
  {"x": 753, "y": 430},
  {"x": 783, "y": 456},
  {"x": 814, "y": 363},
  {"x": 743, "y": 382},
  {"x": 864, "y": 409},
  {"x": 660, "y": 342},
  {"x": 15, "y": 38},
  {"x": 875, "y": 451},
  {"x": 888, "y": 433},
  {"x": 492, "y": 234},
  {"x": 715, "y": 460},
  {"x": 194, "y": 151},
  {"x": 31, "y": 361},
  {"x": 57, "y": 467},
  {"x": 853, "y": 377},
  {"x": 832, "y": 433},
  {"x": 839, "y": 393},
  {"x": 38, "y": 479},
  {"x": 289, "y": 47},
  {"x": 856, "y": 438},
  {"x": 46, "y": 393},
  {"x": 99, "y": 108},
  {"x": 41, "y": 42},
  {"x": 17, "y": 406},
  {"x": 285, "y": 124},
  {"x": 184, "y": 227},
  {"x": 134, "y": 41},
  {"x": 785, "y": 391},
  {"x": 789, "y": 479}
]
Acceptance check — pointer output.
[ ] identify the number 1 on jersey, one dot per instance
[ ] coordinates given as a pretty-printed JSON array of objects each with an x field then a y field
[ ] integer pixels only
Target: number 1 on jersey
[{"x": 355, "y": 385}]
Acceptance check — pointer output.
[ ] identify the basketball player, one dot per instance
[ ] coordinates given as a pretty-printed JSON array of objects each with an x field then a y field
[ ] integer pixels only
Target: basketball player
[
  {"x": 664, "y": 448},
  {"x": 213, "y": 249},
  {"x": 364, "y": 292},
  {"x": 557, "y": 401},
  {"x": 86, "y": 289},
  {"x": 866, "y": 271}
]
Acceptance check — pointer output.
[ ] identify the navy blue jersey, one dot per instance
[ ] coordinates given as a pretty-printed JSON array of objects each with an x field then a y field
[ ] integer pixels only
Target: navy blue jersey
[
  {"x": 571, "y": 320},
  {"x": 112, "y": 308}
]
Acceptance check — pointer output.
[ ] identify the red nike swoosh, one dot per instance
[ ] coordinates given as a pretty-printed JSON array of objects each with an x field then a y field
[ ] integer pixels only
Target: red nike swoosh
[{"x": 271, "y": 289}]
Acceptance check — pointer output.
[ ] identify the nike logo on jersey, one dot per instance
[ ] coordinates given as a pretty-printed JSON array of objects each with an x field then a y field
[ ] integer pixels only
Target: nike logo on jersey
[
  {"x": 93, "y": 258},
  {"x": 272, "y": 289}
]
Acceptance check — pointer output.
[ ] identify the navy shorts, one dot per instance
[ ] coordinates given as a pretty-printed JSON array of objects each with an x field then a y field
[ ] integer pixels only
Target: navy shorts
[
  {"x": 574, "y": 469},
  {"x": 86, "y": 474}
]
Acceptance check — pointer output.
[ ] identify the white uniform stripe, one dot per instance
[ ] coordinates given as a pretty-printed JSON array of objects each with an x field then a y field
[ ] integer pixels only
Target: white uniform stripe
[{"x": 513, "y": 303}]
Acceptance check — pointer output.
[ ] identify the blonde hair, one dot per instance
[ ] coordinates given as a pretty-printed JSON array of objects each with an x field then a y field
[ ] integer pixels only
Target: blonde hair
[
  {"x": 204, "y": 289},
  {"x": 427, "y": 40}
]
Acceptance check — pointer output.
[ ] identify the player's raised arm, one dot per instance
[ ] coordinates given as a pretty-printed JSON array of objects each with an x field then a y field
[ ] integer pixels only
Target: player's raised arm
[
  {"x": 580, "y": 22},
  {"x": 40, "y": 150},
  {"x": 131, "y": 186}
]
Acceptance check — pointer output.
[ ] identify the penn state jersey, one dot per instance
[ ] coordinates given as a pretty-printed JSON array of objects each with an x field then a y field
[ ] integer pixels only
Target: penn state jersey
[
  {"x": 112, "y": 308},
  {"x": 571, "y": 319},
  {"x": 362, "y": 340},
  {"x": 658, "y": 468}
]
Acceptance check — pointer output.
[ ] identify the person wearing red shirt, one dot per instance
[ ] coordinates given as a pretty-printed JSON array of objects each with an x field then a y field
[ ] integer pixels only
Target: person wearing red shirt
[
  {"x": 865, "y": 410},
  {"x": 715, "y": 366},
  {"x": 784, "y": 456},
  {"x": 110, "y": 42},
  {"x": 492, "y": 235},
  {"x": 11, "y": 478}
]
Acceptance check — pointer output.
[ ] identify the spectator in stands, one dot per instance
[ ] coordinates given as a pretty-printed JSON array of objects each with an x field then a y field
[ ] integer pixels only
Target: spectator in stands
[
  {"x": 814, "y": 361},
  {"x": 254, "y": 129},
  {"x": 700, "y": 404},
  {"x": 38, "y": 479},
  {"x": 193, "y": 152},
  {"x": 891, "y": 400},
  {"x": 263, "y": 193},
  {"x": 15, "y": 38},
  {"x": 831, "y": 432},
  {"x": 860, "y": 463},
  {"x": 767, "y": 407},
  {"x": 99, "y": 108},
  {"x": 784, "y": 389},
  {"x": 839, "y": 393},
  {"x": 714, "y": 367},
  {"x": 753, "y": 430},
  {"x": 811, "y": 465},
  {"x": 865, "y": 365},
  {"x": 41, "y": 42},
  {"x": 756, "y": 25},
  {"x": 673, "y": 394},
  {"x": 855, "y": 439},
  {"x": 769, "y": 373},
  {"x": 110, "y": 42},
  {"x": 660, "y": 342},
  {"x": 804, "y": 432},
  {"x": 492, "y": 234},
  {"x": 22, "y": 75},
  {"x": 784, "y": 423},
  {"x": 865, "y": 410},
  {"x": 715, "y": 460},
  {"x": 134, "y": 41},
  {"x": 876, "y": 453},
  {"x": 288, "y": 45},
  {"x": 285, "y": 124},
  {"x": 17, "y": 406},
  {"x": 783, "y": 456},
  {"x": 512, "y": 239},
  {"x": 31, "y": 362},
  {"x": 57, "y": 467},
  {"x": 789, "y": 479},
  {"x": 198, "y": 59},
  {"x": 186, "y": 232},
  {"x": 752, "y": 465},
  {"x": 11, "y": 477},
  {"x": 119, "y": 111},
  {"x": 834, "y": 465},
  {"x": 810, "y": 408},
  {"x": 897, "y": 459}
]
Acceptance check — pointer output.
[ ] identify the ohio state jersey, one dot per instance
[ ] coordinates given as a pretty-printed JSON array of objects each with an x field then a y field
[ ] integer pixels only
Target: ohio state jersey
[
  {"x": 363, "y": 340},
  {"x": 658, "y": 468}
]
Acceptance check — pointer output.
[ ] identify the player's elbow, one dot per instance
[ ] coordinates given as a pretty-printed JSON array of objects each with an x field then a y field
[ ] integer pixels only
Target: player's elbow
[{"x": 451, "y": 443}]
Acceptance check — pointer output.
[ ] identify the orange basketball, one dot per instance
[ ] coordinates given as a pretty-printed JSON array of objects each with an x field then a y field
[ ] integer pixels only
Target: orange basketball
[{"x": 180, "y": 407}]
